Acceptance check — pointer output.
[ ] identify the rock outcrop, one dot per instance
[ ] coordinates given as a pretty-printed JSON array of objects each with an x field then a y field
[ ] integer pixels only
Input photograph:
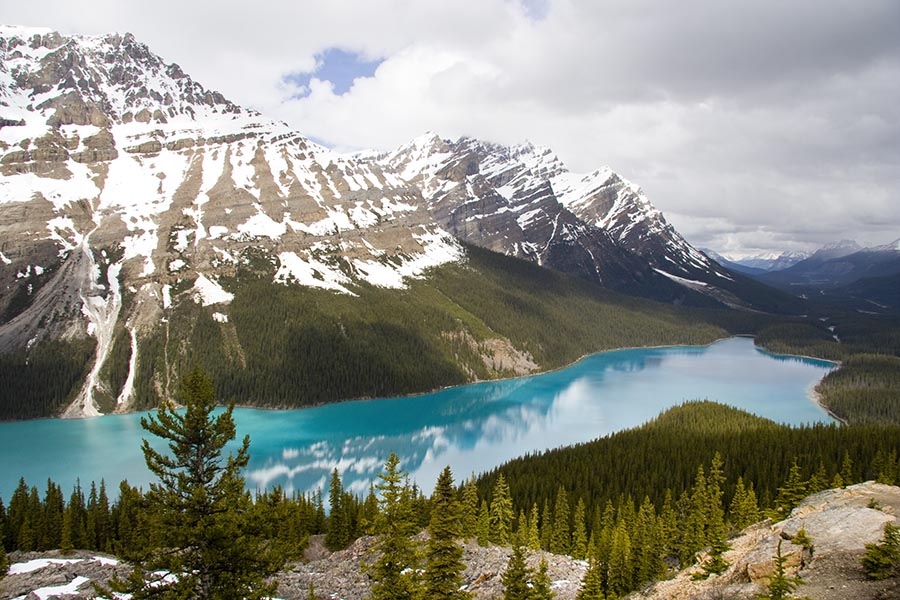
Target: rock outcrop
[{"x": 839, "y": 523}]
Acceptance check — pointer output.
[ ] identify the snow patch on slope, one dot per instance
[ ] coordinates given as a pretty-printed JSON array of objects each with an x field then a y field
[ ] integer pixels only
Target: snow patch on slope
[{"x": 207, "y": 292}]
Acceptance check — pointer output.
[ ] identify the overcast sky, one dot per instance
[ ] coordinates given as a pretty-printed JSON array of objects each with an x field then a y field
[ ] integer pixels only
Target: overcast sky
[{"x": 759, "y": 125}]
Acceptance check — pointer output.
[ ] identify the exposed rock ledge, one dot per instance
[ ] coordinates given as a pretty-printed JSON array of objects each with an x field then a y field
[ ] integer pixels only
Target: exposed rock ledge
[{"x": 839, "y": 522}]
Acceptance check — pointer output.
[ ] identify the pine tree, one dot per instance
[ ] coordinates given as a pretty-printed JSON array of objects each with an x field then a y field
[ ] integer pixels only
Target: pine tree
[
  {"x": 198, "y": 513},
  {"x": 694, "y": 534},
  {"x": 92, "y": 517},
  {"x": 16, "y": 513},
  {"x": 66, "y": 546},
  {"x": 338, "y": 534},
  {"x": 562, "y": 537},
  {"x": 77, "y": 512},
  {"x": 579, "y": 532},
  {"x": 847, "y": 470},
  {"x": 104, "y": 542},
  {"x": 605, "y": 541},
  {"x": 780, "y": 586},
  {"x": 33, "y": 527},
  {"x": 541, "y": 584},
  {"x": 470, "y": 509},
  {"x": 743, "y": 510},
  {"x": 620, "y": 563},
  {"x": 501, "y": 512},
  {"x": 483, "y": 532},
  {"x": 394, "y": 573},
  {"x": 546, "y": 526},
  {"x": 443, "y": 562},
  {"x": 716, "y": 532},
  {"x": 369, "y": 512},
  {"x": 646, "y": 544},
  {"x": 4, "y": 559},
  {"x": 818, "y": 481},
  {"x": 790, "y": 494},
  {"x": 667, "y": 526},
  {"x": 533, "y": 537},
  {"x": 516, "y": 577},
  {"x": 591, "y": 583},
  {"x": 837, "y": 481},
  {"x": 882, "y": 560},
  {"x": 54, "y": 507},
  {"x": 715, "y": 481}
]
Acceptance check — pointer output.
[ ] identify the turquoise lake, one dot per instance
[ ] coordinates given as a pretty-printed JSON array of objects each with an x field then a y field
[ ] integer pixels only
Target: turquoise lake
[{"x": 472, "y": 428}]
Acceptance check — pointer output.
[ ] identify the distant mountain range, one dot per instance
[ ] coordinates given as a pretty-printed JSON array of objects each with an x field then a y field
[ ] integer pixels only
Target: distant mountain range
[
  {"x": 842, "y": 272},
  {"x": 132, "y": 196},
  {"x": 837, "y": 265}
]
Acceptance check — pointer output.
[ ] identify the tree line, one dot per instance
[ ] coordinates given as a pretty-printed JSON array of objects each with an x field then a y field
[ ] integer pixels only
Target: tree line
[{"x": 631, "y": 528}]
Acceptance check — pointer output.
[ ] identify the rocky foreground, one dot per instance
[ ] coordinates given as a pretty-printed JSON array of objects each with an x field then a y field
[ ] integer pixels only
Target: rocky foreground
[{"x": 839, "y": 523}]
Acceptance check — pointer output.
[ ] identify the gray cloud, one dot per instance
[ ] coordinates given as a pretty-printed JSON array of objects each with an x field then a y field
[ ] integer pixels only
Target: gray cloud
[{"x": 755, "y": 125}]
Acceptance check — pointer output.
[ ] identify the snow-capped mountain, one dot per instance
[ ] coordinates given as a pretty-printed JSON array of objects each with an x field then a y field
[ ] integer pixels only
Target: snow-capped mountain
[
  {"x": 127, "y": 188},
  {"x": 773, "y": 261},
  {"x": 837, "y": 264},
  {"x": 523, "y": 201}
]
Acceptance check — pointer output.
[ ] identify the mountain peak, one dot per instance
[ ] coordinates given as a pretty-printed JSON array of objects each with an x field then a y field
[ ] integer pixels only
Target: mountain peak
[{"x": 844, "y": 244}]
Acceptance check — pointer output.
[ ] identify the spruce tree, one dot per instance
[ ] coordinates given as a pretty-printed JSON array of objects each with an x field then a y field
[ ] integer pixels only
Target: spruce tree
[
  {"x": 104, "y": 541},
  {"x": 516, "y": 577},
  {"x": 668, "y": 526},
  {"x": 394, "y": 573},
  {"x": 16, "y": 513},
  {"x": 743, "y": 510},
  {"x": 591, "y": 583},
  {"x": 541, "y": 584},
  {"x": 579, "y": 532},
  {"x": 837, "y": 481},
  {"x": 818, "y": 481},
  {"x": 483, "y": 531},
  {"x": 694, "y": 534},
  {"x": 4, "y": 559},
  {"x": 790, "y": 494},
  {"x": 780, "y": 586},
  {"x": 470, "y": 509},
  {"x": 197, "y": 514},
  {"x": 369, "y": 512},
  {"x": 533, "y": 537},
  {"x": 35, "y": 521},
  {"x": 546, "y": 526},
  {"x": 66, "y": 545},
  {"x": 338, "y": 534},
  {"x": 882, "y": 560},
  {"x": 501, "y": 512},
  {"x": 562, "y": 535},
  {"x": 620, "y": 561},
  {"x": 54, "y": 507},
  {"x": 443, "y": 560},
  {"x": 646, "y": 544},
  {"x": 847, "y": 470}
]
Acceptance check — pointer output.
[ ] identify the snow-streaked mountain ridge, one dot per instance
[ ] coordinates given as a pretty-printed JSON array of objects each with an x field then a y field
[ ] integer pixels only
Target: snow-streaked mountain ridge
[{"x": 127, "y": 188}]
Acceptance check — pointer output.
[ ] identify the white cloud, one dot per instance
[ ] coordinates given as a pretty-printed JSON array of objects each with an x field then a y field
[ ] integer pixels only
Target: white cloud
[{"x": 753, "y": 124}]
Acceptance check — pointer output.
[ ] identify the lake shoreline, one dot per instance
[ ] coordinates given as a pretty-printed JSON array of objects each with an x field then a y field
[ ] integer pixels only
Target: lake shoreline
[{"x": 583, "y": 357}]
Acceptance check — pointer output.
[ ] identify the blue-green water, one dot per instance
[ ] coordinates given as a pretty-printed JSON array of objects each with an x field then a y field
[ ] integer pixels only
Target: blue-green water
[{"x": 472, "y": 428}]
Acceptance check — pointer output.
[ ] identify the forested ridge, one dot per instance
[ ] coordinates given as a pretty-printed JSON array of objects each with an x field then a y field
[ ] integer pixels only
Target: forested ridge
[{"x": 288, "y": 346}]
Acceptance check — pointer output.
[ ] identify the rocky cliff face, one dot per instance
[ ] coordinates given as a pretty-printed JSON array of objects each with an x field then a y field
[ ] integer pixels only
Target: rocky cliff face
[{"x": 128, "y": 189}]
